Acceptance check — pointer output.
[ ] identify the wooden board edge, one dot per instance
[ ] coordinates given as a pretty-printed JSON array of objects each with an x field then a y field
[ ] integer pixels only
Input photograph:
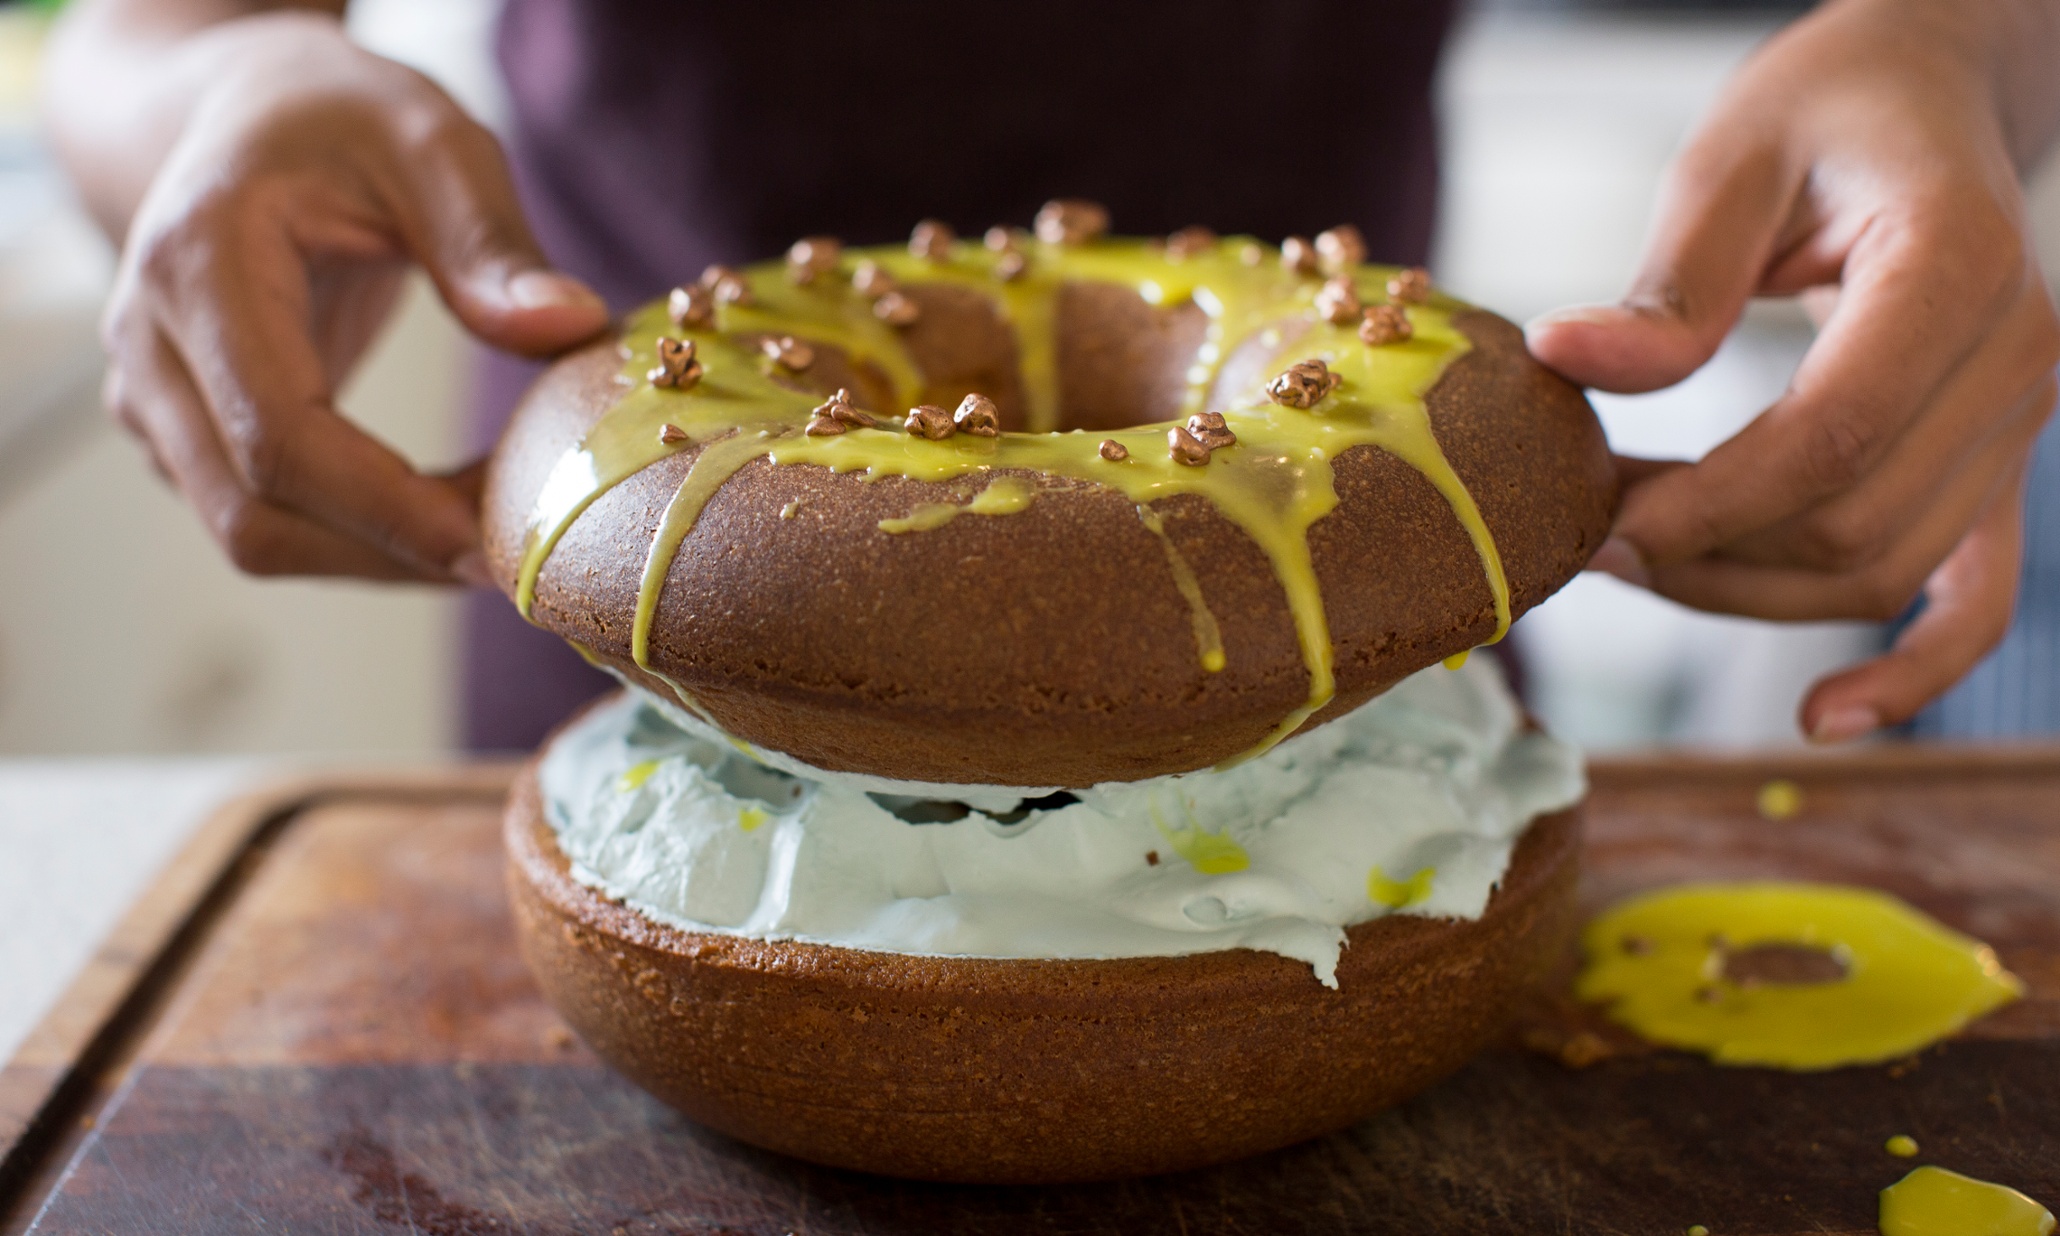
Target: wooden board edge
[
  {"x": 65, "y": 1058},
  {"x": 1897, "y": 758}
]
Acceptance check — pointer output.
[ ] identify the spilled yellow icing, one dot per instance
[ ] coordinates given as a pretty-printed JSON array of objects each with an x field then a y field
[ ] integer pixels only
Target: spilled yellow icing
[
  {"x": 1274, "y": 484},
  {"x": 633, "y": 777},
  {"x": 1399, "y": 894},
  {"x": 1697, "y": 1229},
  {"x": 750, "y": 818},
  {"x": 1902, "y": 1146},
  {"x": 922, "y": 517},
  {"x": 1779, "y": 799},
  {"x": 1208, "y": 853},
  {"x": 1932, "y": 1201},
  {"x": 1658, "y": 961}
]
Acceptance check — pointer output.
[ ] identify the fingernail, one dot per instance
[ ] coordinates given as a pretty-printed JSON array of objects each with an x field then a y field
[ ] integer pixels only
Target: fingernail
[
  {"x": 1620, "y": 558},
  {"x": 1845, "y": 724},
  {"x": 1576, "y": 315},
  {"x": 470, "y": 568},
  {"x": 547, "y": 289}
]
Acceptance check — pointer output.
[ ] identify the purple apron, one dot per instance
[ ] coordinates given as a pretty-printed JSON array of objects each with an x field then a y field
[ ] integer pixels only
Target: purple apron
[{"x": 652, "y": 138}]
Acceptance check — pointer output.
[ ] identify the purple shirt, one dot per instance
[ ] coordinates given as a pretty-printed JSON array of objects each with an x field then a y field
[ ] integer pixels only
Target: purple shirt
[{"x": 652, "y": 138}]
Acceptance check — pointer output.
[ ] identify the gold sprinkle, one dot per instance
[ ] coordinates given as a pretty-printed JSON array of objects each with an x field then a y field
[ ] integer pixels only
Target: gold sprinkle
[
  {"x": 788, "y": 352},
  {"x": 787, "y": 511},
  {"x": 824, "y": 427},
  {"x": 1337, "y": 301},
  {"x": 1252, "y": 254},
  {"x": 1298, "y": 256},
  {"x": 977, "y": 415},
  {"x": 1071, "y": 221},
  {"x": 691, "y": 307},
  {"x": 897, "y": 309},
  {"x": 932, "y": 239},
  {"x": 676, "y": 368},
  {"x": 839, "y": 408},
  {"x": 1302, "y": 385},
  {"x": 871, "y": 279},
  {"x": 1185, "y": 447},
  {"x": 1113, "y": 451},
  {"x": 930, "y": 421},
  {"x": 1190, "y": 242},
  {"x": 1339, "y": 249},
  {"x": 1010, "y": 267},
  {"x": 999, "y": 239},
  {"x": 1385, "y": 324},
  {"x": 813, "y": 256},
  {"x": 728, "y": 286},
  {"x": 1410, "y": 287},
  {"x": 671, "y": 435},
  {"x": 1210, "y": 430},
  {"x": 1151, "y": 858}
]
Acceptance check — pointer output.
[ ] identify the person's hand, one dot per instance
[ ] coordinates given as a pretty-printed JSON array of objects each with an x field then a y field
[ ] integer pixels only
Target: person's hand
[
  {"x": 263, "y": 258},
  {"x": 1861, "y": 149}
]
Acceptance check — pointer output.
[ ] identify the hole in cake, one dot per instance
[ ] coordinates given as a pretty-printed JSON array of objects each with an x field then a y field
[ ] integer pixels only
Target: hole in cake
[
  {"x": 1115, "y": 360},
  {"x": 1788, "y": 965},
  {"x": 948, "y": 811}
]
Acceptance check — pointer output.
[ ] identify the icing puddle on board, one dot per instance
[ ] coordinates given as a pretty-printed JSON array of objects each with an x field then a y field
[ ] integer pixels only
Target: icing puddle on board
[
  {"x": 1932, "y": 1201},
  {"x": 1850, "y": 975},
  {"x": 1274, "y": 483}
]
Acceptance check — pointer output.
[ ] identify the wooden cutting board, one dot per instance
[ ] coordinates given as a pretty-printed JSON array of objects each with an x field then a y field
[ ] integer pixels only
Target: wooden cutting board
[{"x": 316, "y": 1022}]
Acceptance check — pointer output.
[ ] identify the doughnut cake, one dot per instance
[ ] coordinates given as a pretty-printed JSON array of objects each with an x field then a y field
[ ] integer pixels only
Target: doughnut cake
[{"x": 1049, "y": 749}]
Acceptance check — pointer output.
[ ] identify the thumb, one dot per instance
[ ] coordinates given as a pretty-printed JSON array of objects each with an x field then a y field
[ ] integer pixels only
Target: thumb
[
  {"x": 475, "y": 243},
  {"x": 1719, "y": 212}
]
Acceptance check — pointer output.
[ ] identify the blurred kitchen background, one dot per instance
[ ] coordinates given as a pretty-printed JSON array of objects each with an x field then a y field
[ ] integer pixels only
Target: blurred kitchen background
[{"x": 123, "y": 631}]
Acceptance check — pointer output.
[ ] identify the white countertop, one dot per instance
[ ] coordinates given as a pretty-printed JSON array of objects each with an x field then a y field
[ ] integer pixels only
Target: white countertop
[{"x": 80, "y": 839}]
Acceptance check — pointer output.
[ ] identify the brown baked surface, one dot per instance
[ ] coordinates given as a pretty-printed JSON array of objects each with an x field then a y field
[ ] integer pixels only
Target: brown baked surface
[
  {"x": 1031, "y": 1071},
  {"x": 1050, "y": 647}
]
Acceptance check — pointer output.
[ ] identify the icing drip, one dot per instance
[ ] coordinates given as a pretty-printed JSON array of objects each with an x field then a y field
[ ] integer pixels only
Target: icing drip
[{"x": 1274, "y": 484}]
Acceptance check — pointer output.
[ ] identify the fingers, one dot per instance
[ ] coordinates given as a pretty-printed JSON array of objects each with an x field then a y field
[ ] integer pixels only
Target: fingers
[
  {"x": 1882, "y": 588},
  {"x": 1886, "y": 351},
  {"x": 228, "y": 290},
  {"x": 1719, "y": 215},
  {"x": 1969, "y": 602},
  {"x": 468, "y": 231},
  {"x": 1982, "y": 419},
  {"x": 156, "y": 400}
]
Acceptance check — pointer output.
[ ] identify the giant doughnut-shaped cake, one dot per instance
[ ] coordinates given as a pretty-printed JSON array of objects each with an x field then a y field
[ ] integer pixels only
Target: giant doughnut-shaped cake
[{"x": 1050, "y": 510}]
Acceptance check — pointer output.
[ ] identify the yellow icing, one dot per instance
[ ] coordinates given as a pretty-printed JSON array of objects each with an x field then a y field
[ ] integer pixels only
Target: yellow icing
[
  {"x": 1697, "y": 1229},
  {"x": 1208, "y": 636},
  {"x": 1208, "y": 853},
  {"x": 1274, "y": 484},
  {"x": 1902, "y": 1146},
  {"x": 1932, "y": 1201},
  {"x": 1779, "y": 799},
  {"x": 633, "y": 777},
  {"x": 1005, "y": 495},
  {"x": 1399, "y": 894},
  {"x": 1457, "y": 659},
  {"x": 750, "y": 818},
  {"x": 1658, "y": 962}
]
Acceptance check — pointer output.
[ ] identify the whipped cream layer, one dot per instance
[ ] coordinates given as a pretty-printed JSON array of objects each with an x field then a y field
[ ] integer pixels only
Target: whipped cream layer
[{"x": 1411, "y": 804}]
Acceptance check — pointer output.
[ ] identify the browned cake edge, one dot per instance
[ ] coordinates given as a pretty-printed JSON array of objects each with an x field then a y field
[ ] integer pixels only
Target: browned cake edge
[
  {"x": 1031, "y": 1071},
  {"x": 1052, "y": 646}
]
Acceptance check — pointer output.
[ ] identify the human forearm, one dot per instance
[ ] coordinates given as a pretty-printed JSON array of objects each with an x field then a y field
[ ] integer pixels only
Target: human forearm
[{"x": 123, "y": 77}]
